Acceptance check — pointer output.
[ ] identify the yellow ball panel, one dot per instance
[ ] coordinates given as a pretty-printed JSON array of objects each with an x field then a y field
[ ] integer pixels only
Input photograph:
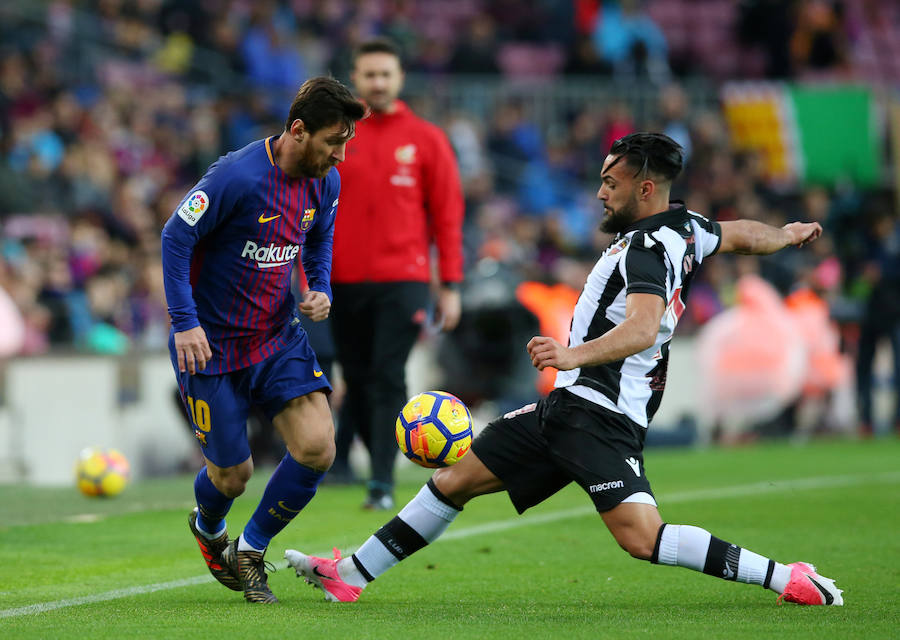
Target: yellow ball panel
[
  {"x": 400, "y": 431},
  {"x": 457, "y": 450},
  {"x": 454, "y": 415},
  {"x": 94, "y": 465},
  {"x": 112, "y": 484},
  {"x": 418, "y": 407},
  {"x": 88, "y": 487}
]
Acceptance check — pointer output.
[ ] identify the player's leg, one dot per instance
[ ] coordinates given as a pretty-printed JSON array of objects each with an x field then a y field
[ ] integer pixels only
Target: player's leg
[
  {"x": 895, "y": 348},
  {"x": 397, "y": 318},
  {"x": 420, "y": 522},
  {"x": 353, "y": 341},
  {"x": 638, "y": 529},
  {"x": 218, "y": 416},
  {"x": 289, "y": 386},
  {"x": 865, "y": 359},
  {"x": 508, "y": 454},
  {"x": 602, "y": 451},
  {"x": 306, "y": 427}
]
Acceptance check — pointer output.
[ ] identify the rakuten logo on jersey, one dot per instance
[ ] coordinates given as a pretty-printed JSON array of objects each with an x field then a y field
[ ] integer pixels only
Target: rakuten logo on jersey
[{"x": 271, "y": 256}]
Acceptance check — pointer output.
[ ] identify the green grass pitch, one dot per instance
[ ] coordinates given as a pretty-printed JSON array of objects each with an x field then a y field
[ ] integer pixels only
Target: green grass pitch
[{"x": 73, "y": 567}]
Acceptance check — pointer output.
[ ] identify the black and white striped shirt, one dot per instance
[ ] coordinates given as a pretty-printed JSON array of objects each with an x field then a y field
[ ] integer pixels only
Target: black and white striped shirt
[{"x": 659, "y": 255}]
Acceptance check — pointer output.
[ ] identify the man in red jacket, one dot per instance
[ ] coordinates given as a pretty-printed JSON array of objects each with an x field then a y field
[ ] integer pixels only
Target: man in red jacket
[{"x": 400, "y": 196}]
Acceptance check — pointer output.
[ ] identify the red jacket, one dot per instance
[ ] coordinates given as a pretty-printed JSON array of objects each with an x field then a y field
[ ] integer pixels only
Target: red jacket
[{"x": 400, "y": 194}]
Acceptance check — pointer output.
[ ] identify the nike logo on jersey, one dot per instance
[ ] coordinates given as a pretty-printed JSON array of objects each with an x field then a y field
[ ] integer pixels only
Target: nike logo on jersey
[
  {"x": 263, "y": 219},
  {"x": 825, "y": 593},
  {"x": 317, "y": 373}
]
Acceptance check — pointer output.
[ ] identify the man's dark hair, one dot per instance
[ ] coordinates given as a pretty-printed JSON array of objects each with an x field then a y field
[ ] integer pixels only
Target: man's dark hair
[
  {"x": 322, "y": 102},
  {"x": 649, "y": 153},
  {"x": 379, "y": 44}
]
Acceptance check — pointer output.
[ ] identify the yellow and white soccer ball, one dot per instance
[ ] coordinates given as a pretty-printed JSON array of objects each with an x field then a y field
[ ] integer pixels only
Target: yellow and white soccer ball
[
  {"x": 101, "y": 472},
  {"x": 434, "y": 429}
]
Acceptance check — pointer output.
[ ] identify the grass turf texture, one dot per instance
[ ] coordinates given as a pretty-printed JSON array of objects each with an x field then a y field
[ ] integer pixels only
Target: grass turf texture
[{"x": 554, "y": 572}]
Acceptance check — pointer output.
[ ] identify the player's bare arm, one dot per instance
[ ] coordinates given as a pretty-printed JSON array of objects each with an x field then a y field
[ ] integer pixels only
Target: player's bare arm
[
  {"x": 643, "y": 312},
  {"x": 315, "y": 305},
  {"x": 192, "y": 350},
  {"x": 757, "y": 238}
]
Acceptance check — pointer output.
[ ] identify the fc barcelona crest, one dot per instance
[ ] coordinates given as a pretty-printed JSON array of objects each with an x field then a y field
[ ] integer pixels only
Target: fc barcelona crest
[{"x": 307, "y": 220}]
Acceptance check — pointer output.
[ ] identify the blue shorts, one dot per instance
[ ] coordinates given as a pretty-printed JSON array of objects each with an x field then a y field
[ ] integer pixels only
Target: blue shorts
[{"x": 219, "y": 404}]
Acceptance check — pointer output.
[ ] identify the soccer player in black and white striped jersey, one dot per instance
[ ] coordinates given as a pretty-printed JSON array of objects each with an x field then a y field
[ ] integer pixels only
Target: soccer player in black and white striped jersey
[{"x": 590, "y": 429}]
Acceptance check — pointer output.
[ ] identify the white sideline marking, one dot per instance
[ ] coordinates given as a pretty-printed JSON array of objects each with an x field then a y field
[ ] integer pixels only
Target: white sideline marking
[{"x": 800, "y": 484}]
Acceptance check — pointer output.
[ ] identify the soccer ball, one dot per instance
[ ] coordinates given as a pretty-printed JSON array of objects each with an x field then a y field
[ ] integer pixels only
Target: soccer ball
[
  {"x": 101, "y": 472},
  {"x": 434, "y": 429}
]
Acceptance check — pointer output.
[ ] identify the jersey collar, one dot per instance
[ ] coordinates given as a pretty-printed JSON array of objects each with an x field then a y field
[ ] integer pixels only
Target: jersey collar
[{"x": 673, "y": 217}]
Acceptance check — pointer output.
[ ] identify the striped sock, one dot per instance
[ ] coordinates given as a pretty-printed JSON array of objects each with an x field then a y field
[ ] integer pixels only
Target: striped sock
[
  {"x": 697, "y": 549},
  {"x": 419, "y": 523}
]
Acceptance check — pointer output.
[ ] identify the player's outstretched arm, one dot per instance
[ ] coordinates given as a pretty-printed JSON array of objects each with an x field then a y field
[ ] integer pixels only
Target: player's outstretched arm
[{"x": 757, "y": 238}]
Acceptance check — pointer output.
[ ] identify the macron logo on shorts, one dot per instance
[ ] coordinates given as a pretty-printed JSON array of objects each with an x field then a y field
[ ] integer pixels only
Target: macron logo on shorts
[
  {"x": 635, "y": 465},
  {"x": 604, "y": 486}
]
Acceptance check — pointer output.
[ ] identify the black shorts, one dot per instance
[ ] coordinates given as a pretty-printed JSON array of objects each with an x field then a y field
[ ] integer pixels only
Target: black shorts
[{"x": 539, "y": 449}]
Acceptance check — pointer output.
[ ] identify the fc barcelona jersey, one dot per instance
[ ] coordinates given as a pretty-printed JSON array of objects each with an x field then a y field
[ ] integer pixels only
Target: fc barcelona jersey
[{"x": 229, "y": 248}]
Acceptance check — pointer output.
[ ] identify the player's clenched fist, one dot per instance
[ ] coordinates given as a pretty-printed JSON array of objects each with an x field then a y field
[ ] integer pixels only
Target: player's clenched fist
[
  {"x": 192, "y": 349},
  {"x": 547, "y": 352},
  {"x": 316, "y": 306}
]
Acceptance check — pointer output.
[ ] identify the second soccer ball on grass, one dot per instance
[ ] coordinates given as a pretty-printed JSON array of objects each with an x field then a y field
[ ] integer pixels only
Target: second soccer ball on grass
[{"x": 434, "y": 429}]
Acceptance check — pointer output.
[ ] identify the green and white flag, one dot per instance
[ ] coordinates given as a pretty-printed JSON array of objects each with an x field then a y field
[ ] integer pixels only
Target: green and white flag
[{"x": 806, "y": 134}]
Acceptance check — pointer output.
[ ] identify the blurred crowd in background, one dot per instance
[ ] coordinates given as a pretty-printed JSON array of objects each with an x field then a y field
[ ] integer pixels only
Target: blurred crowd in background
[{"x": 111, "y": 109}]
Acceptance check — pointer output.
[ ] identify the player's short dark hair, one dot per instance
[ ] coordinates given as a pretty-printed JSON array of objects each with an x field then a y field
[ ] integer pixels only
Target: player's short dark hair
[
  {"x": 378, "y": 44},
  {"x": 649, "y": 153},
  {"x": 322, "y": 102}
]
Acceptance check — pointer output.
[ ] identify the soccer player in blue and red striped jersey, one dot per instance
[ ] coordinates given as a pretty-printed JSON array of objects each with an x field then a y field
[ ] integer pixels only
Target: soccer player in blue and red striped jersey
[{"x": 228, "y": 252}]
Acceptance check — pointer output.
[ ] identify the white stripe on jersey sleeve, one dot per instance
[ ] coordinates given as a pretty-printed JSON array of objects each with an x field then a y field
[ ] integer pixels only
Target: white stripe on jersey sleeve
[{"x": 707, "y": 242}]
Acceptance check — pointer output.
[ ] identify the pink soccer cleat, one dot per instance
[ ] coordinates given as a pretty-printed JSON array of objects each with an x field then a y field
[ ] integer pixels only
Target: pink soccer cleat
[
  {"x": 322, "y": 573},
  {"x": 808, "y": 587}
]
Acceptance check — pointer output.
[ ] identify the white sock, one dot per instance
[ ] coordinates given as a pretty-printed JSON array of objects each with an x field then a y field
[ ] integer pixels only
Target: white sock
[
  {"x": 780, "y": 577},
  {"x": 206, "y": 534},
  {"x": 243, "y": 545},
  {"x": 695, "y": 548},
  {"x": 419, "y": 523}
]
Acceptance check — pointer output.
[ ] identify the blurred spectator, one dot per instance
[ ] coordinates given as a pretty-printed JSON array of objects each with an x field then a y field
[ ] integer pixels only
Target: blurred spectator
[
  {"x": 631, "y": 41},
  {"x": 476, "y": 51},
  {"x": 673, "y": 110},
  {"x": 768, "y": 24},
  {"x": 819, "y": 42},
  {"x": 270, "y": 58},
  {"x": 881, "y": 317}
]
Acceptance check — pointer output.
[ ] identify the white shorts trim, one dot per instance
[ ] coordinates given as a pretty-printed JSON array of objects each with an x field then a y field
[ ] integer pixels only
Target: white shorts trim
[{"x": 641, "y": 497}]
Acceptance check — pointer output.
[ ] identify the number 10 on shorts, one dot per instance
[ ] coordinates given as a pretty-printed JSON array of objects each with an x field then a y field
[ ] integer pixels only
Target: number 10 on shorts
[{"x": 200, "y": 414}]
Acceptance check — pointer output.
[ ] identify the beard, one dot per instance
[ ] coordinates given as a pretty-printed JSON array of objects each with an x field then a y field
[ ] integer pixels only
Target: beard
[
  {"x": 379, "y": 101},
  {"x": 311, "y": 167},
  {"x": 617, "y": 220}
]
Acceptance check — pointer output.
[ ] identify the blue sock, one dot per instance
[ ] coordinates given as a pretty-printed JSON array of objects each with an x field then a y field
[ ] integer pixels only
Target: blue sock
[
  {"x": 213, "y": 504},
  {"x": 290, "y": 488}
]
